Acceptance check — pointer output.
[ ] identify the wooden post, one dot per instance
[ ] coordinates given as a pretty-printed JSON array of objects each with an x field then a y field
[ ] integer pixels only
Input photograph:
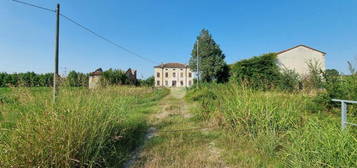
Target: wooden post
[
  {"x": 198, "y": 71},
  {"x": 55, "y": 74}
]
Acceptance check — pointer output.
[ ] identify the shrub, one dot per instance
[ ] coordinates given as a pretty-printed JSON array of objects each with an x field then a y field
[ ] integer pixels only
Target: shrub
[
  {"x": 258, "y": 72},
  {"x": 336, "y": 87},
  {"x": 289, "y": 80},
  {"x": 314, "y": 79}
]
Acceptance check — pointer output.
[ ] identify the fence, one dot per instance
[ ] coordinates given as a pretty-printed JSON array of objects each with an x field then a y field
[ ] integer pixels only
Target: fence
[{"x": 344, "y": 104}]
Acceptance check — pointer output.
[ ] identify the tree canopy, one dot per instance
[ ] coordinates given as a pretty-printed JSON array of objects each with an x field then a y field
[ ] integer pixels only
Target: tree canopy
[{"x": 212, "y": 66}]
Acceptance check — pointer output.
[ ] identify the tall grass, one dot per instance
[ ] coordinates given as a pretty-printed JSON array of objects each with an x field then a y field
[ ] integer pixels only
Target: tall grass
[
  {"x": 84, "y": 129},
  {"x": 278, "y": 125}
]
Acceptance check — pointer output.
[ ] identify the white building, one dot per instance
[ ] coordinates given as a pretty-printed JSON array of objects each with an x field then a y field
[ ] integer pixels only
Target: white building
[
  {"x": 173, "y": 75},
  {"x": 298, "y": 58},
  {"x": 94, "y": 78}
]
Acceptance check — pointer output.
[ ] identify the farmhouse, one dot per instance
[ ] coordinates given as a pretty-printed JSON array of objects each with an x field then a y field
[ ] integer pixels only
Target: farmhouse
[
  {"x": 94, "y": 78},
  {"x": 131, "y": 74},
  {"x": 173, "y": 75},
  {"x": 299, "y": 57}
]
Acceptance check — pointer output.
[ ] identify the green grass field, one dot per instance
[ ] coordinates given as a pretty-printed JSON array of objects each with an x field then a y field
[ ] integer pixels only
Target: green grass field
[
  {"x": 274, "y": 129},
  {"x": 84, "y": 129},
  {"x": 100, "y": 128}
]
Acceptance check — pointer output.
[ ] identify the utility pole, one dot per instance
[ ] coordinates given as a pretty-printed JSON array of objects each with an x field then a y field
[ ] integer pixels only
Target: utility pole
[
  {"x": 55, "y": 74},
  {"x": 198, "y": 71}
]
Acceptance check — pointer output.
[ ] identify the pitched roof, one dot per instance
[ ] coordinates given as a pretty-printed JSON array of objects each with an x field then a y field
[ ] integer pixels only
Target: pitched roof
[
  {"x": 301, "y": 45},
  {"x": 131, "y": 72},
  {"x": 98, "y": 71},
  {"x": 171, "y": 65}
]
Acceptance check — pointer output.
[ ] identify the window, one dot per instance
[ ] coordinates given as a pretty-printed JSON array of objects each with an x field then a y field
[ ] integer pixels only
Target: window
[
  {"x": 166, "y": 74},
  {"x": 157, "y": 83},
  {"x": 174, "y": 74},
  {"x": 181, "y": 75},
  {"x": 174, "y": 69},
  {"x": 181, "y": 82},
  {"x": 174, "y": 83},
  {"x": 181, "y": 69},
  {"x": 190, "y": 74},
  {"x": 189, "y": 83},
  {"x": 166, "y": 83},
  {"x": 158, "y": 74}
]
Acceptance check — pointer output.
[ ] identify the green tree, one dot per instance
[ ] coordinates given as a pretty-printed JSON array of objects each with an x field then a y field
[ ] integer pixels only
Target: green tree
[
  {"x": 212, "y": 66},
  {"x": 150, "y": 81},
  {"x": 77, "y": 79},
  {"x": 73, "y": 79},
  {"x": 114, "y": 77}
]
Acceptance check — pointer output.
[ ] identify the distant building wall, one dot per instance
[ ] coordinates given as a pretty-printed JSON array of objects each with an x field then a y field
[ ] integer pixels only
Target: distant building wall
[
  {"x": 297, "y": 59},
  {"x": 94, "y": 78},
  {"x": 94, "y": 81}
]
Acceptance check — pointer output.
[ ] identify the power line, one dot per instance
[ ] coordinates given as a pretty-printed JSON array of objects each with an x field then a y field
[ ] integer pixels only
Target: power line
[
  {"x": 90, "y": 31},
  {"x": 106, "y": 39},
  {"x": 33, "y": 5}
]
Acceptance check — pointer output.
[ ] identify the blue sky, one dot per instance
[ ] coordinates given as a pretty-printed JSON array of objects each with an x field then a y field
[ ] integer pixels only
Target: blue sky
[{"x": 165, "y": 31}]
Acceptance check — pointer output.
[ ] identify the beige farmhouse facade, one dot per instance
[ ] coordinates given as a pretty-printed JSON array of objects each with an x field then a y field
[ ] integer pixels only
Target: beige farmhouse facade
[
  {"x": 173, "y": 75},
  {"x": 299, "y": 57}
]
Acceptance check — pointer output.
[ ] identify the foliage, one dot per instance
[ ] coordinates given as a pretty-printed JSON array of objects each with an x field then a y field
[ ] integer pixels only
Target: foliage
[
  {"x": 150, "y": 81},
  {"x": 289, "y": 80},
  {"x": 224, "y": 75},
  {"x": 336, "y": 86},
  {"x": 314, "y": 79},
  {"x": 114, "y": 77},
  {"x": 84, "y": 129},
  {"x": 77, "y": 79},
  {"x": 28, "y": 79},
  {"x": 260, "y": 72},
  {"x": 277, "y": 125},
  {"x": 211, "y": 59}
]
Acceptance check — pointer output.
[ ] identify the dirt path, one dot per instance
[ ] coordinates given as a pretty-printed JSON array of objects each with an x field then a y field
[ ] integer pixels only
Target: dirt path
[{"x": 174, "y": 140}]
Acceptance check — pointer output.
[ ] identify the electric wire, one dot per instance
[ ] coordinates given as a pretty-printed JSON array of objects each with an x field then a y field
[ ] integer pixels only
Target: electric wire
[
  {"x": 89, "y": 30},
  {"x": 33, "y": 5},
  {"x": 106, "y": 39}
]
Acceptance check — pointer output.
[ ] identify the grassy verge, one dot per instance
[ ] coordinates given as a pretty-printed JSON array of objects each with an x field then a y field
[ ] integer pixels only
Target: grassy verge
[
  {"x": 85, "y": 129},
  {"x": 274, "y": 129}
]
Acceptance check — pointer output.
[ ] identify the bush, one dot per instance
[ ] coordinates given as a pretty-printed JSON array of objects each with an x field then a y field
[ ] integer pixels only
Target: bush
[
  {"x": 258, "y": 72},
  {"x": 289, "y": 80},
  {"x": 336, "y": 87},
  {"x": 314, "y": 79}
]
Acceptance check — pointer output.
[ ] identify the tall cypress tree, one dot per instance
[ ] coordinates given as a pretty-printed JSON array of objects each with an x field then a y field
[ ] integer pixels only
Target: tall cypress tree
[{"x": 210, "y": 57}]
